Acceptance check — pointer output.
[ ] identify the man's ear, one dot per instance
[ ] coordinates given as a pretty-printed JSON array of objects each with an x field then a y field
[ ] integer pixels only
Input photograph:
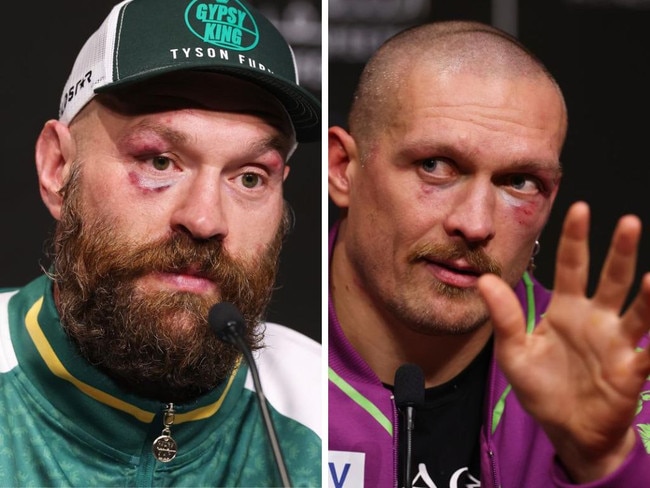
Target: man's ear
[
  {"x": 54, "y": 156},
  {"x": 342, "y": 150}
]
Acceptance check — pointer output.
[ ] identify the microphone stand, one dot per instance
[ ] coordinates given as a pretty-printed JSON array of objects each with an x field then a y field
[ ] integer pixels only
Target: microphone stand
[
  {"x": 408, "y": 390},
  {"x": 408, "y": 416},
  {"x": 227, "y": 323},
  {"x": 266, "y": 416}
]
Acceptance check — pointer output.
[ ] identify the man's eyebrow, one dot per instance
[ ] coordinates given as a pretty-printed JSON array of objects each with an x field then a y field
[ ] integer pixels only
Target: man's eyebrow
[
  {"x": 167, "y": 133},
  {"x": 279, "y": 143},
  {"x": 276, "y": 121},
  {"x": 552, "y": 168},
  {"x": 274, "y": 142}
]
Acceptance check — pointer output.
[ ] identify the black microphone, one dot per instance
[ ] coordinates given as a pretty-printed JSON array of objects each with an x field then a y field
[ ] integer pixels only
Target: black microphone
[
  {"x": 409, "y": 394},
  {"x": 227, "y": 323}
]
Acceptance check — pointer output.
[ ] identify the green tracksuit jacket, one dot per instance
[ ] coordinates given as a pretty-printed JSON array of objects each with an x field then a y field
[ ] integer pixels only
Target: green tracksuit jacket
[{"x": 64, "y": 423}]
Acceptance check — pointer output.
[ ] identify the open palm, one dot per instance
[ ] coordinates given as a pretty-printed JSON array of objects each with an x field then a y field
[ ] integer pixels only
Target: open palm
[{"x": 580, "y": 372}]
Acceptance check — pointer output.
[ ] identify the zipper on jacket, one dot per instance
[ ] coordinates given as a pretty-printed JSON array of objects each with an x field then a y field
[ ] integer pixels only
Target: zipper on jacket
[
  {"x": 148, "y": 459},
  {"x": 164, "y": 447},
  {"x": 492, "y": 422},
  {"x": 395, "y": 442},
  {"x": 494, "y": 468}
]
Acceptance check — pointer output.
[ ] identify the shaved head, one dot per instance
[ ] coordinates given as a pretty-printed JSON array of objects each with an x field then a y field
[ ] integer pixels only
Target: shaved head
[{"x": 451, "y": 47}]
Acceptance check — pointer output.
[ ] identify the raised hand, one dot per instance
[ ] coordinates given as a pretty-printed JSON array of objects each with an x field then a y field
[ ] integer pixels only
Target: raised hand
[{"x": 580, "y": 373}]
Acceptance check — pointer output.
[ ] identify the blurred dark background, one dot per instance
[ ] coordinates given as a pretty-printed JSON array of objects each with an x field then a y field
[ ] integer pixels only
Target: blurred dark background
[
  {"x": 598, "y": 52},
  {"x": 38, "y": 56}
]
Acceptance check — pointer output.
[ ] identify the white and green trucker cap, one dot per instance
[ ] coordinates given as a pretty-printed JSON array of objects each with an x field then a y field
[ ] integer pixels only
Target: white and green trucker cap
[{"x": 141, "y": 39}]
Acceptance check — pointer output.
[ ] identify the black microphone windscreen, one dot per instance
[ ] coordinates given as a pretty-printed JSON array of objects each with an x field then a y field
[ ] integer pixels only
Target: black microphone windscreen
[
  {"x": 223, "y": 317},
  {"x": 409, "y": 386}
]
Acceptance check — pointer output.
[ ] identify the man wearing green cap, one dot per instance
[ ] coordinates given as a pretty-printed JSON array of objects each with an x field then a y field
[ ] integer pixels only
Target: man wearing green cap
[{"x": 165, "y": 174}]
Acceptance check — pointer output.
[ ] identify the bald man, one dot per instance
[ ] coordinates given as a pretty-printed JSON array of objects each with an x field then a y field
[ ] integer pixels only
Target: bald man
[{"x": 445, "y": 181}]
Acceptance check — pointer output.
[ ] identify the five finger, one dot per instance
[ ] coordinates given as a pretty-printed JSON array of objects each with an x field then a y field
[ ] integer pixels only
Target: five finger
[
  {"x": 572, "y": 265},
  {"x": 618, "y": 271},
  {"x": 636, "y": 320},
  {"x": 505, "y": 311}
]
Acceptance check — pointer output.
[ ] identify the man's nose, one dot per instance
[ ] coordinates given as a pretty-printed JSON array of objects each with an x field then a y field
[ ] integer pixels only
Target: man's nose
[
  {"x": 200, "y": 211},
  {"x": 471, "y": 214}
]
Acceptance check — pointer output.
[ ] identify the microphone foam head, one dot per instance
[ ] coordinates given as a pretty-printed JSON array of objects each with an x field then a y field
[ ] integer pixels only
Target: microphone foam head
[
  {"x": 409, "y": 386},
  {"x": 225, "y": 319}
]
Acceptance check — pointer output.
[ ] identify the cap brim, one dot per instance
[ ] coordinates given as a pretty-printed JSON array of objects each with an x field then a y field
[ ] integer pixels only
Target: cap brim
[{"x": 303, "y": 108}]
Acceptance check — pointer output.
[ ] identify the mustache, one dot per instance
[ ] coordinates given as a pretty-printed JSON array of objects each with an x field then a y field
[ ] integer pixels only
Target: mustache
[
  {"x": 238, "y": 280},
  {"x": 476, "y": 257},
  {"x": 177, "y": 253}
]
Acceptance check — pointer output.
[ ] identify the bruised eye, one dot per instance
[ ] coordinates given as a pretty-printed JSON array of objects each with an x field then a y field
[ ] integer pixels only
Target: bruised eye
[
  {"x": 250, "y": 180},
  {"x": 437, "y": 168},
  {"x": 524, "y": 183},
  {"x": 161, "y": 163}
]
